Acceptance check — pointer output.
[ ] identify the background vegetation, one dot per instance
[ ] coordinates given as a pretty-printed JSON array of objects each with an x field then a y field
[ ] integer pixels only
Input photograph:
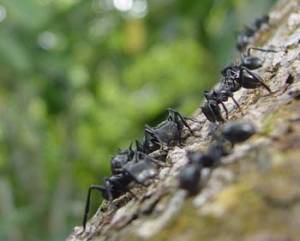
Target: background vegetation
[{"x": 80, "y": 78}]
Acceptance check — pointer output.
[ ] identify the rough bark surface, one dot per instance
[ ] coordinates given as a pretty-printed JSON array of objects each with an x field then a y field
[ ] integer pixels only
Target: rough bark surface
[{"x": 254, "y": 195}]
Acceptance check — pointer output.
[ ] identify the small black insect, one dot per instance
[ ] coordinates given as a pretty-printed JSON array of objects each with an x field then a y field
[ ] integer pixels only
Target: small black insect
[
  {"x": 168, "y": 133},
  {"x": 218, "y": 96},
  {"x": 245, "y": 78},
  {"x": 241, "y": 75},
  {"x": 236, "y": 132},
  {"x": 121, "y": 159},
  {"x": 252, "y": 62},
  {"x": 211, "y": 110},
  {"x": 245, "y": 36},
  {"x": 139, "y": 170},
  {"x": 189, "y": 177},
  {"x": 212, "y": 157},
  {"x": 234, "y": 77},
  {"x": 150, "y": 142}
]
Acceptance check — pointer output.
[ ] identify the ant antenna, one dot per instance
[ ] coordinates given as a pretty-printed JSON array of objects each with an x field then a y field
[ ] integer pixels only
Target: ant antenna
[{"x": 261, "y": 49}]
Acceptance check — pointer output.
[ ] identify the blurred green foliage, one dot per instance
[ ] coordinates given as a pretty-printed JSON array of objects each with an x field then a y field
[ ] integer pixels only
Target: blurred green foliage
[{"x": 80, "y": 78}]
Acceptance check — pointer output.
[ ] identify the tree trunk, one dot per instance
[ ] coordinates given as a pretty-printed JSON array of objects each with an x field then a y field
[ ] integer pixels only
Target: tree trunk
[{"x": 254, "y": 194}]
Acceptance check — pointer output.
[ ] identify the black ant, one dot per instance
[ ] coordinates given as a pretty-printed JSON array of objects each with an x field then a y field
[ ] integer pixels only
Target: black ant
[
  {"x": 245, "y": 36},
  {"x": 189, "y": 177},
  {"x": 190, "y": 174},
  {"x": 211, "y": 110},
  {"x": 236, "y": 132},
  {"x": 218, "y": 96},
  {"x": 168, "y": 133},
  {"x": 138, "y": 170},
  {"x": 241, "y": 75},
  {"x": 121, "y": 159},
  {"x": 234, "y": 77}
]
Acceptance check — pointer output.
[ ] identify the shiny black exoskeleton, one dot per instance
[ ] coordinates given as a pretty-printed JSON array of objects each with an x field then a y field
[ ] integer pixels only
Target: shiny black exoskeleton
[
  {"x": 189, "y": 177},
  {"x": 218, "y": 96},
  {"x": 236, "y": 132},
  {"x": 211, "y": 158},
  {"x": 113, "y": 187},
  {"x": 150, "y": 142},
  {"x": 139, "y": 170},
  {"x": 241, "y": 75},
  {"x": 234, "y": 77},
  {"x": 244, "y": 38},
  {"x": 244, "y": 78},
  {"x": 168, "y": 133},
  {"x": 121, "y": 159},
  {"x": 211, "y": 110},
  {"x": 190, "y": 174}
]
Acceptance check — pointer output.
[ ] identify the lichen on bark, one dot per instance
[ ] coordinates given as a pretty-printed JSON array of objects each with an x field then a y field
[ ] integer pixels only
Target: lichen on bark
[{"x": 254, "y": 194}]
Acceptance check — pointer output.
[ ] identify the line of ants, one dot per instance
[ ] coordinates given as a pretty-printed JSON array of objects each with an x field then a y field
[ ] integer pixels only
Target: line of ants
[{"x": 135, "y": 165}]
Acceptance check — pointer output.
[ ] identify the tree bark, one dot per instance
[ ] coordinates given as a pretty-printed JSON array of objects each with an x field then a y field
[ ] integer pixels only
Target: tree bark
[{"x": 254, "y": 195}]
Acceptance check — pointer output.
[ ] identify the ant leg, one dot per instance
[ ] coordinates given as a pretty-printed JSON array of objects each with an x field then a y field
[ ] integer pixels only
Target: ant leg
[
  {"x": 266, "y": 87},
  {"x": 225, "y": 109},
  {"x": 260, "y": 49},
  {"x": 184, "y": 121},
  {"x": 182, "y": 118},
  {"x": 179, "y": 139},
  {"x": 152, "y": 134},
  {"x": 87, "y": 203},
  {"x": 260, "y": 80},
  {"x": 157, "y": 162},
  {"x": 148, "y": 131},
  {"x": 256, "y": 78},
  {"x": 237, "y": 104},
  {"x": 132, "y": 194}
]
